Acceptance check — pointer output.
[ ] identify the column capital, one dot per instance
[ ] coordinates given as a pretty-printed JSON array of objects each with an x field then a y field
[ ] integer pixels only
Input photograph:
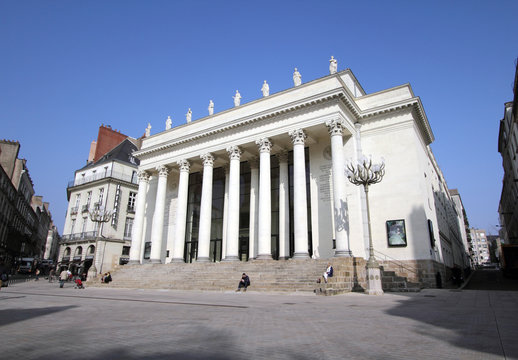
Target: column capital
[
  {"x": 282, "y": 156},
  {"x": 357, "y": 126},
  {"x": 162, "y": 170},
  {"x": 298, "y": 136},
  {"x": 208, "y": 159},
  {"x": 264, "y": 144},
  {"x": 143, "y": 176},
  {"x": 184, "y": 165},
  {"x": 234, "y": 152},
  {"x": 253, "y": 162},
  {"x": 335, "y": 127}
]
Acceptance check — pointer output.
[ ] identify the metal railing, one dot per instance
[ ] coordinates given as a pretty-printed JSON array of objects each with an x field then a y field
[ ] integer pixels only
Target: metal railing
[
  {"x": 401, "y": 265},
  {"x": 98, "y": 176},
  {"x": 73, "y": 210},
  {"x": 88, "y": 235}
]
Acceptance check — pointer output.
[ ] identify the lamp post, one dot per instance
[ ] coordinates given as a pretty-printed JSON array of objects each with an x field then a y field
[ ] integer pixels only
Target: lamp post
[
  {"x": 99, "y": 216},
  {"x": 366, "y": 173}
]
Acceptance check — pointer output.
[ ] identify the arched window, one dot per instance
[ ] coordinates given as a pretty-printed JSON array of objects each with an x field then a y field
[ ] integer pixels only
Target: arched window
[
  {"x": 67, "y": 252},
  {"x": 91, "y": 250},
  {"x": 79, "y": 251}
]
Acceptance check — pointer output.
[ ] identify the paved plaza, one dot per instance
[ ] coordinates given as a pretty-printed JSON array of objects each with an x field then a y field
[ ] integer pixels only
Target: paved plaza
[{"x": 38, "y": 320}]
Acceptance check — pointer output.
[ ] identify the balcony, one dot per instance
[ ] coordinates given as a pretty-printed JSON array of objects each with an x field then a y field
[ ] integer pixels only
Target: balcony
[
  {"x": 84, "y": 208},
  {"x": 99, "y": 176},
  {"x": 73, "y": 211},
  {"x": 131, "y": 209},
  {"x": 84, "y": 236}
]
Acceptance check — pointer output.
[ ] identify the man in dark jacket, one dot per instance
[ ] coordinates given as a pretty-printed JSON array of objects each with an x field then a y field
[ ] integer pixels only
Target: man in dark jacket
[{"x": 244, "y": 282}]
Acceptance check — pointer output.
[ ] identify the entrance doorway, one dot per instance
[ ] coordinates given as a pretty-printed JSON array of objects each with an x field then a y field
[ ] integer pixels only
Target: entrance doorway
[
  {"x": 243, "y": 248},
  {"x": 215, "y": 250},
  {"x": 191, "y": 251}
]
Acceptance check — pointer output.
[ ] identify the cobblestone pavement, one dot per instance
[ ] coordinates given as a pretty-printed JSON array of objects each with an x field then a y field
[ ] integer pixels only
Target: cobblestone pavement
[{"x": 38, "y": 320}]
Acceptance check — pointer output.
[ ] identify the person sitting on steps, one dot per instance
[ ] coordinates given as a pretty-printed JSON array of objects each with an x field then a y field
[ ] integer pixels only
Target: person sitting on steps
[
  {"x": 328, "y": 272},
  {"x": 244, "y": 282}
]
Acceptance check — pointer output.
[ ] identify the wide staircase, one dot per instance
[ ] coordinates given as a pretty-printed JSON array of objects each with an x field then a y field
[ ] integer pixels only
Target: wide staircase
[{"x": 265, "y": 276}]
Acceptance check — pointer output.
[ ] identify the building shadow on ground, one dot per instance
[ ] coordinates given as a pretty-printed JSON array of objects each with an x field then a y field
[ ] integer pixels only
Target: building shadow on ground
[
  {"x": 460, "y": 320},
  {"x": 9, "y": 316}
]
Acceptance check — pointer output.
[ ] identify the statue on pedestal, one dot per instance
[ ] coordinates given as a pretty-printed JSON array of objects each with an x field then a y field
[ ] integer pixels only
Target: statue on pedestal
[
  {"x": 168, "y": 123},
  {"x": 297, "y": 78},
  {"x": 188, "y": 116},
  {"x": 237, "y": 98},
  {"x": 148, "y": 130},
  {"x": 265, "y": 89},
  {"x": 211, "y": 107},
  {"x": 332, "y": 65}
]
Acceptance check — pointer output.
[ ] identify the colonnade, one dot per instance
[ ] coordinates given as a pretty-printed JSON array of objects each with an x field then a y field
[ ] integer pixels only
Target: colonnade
[{"x": 260, "y": 203}]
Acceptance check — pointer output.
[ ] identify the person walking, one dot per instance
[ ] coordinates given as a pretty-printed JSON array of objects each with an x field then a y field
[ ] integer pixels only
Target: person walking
[{"x": 63, "y": 276}]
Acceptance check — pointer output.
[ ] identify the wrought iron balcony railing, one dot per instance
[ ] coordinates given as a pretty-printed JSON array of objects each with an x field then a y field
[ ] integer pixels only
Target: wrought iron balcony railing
[{"x": 98, "y": 176}]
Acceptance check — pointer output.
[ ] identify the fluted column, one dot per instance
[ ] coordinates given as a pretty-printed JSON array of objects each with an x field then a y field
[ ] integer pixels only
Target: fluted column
[
  {"x": 205, "y": 208},
  {"x": 158, "y": 217},
  {"x": 336, "y": 128},
  {"x": 300, "y": 209},
  {"x": 284, "y": 206},
  {"x": 181, "y": 212},
  {"x": 138, "y": 225},
  {"x": 225, "y": 214},
  {"x": 265, "y": 203},
  {"x": 254, "y": 206},
  {"x": 232, "y": 253}
]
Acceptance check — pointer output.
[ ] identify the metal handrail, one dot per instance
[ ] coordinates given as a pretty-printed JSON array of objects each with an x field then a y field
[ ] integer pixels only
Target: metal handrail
[{"x": 397, "y": 262}]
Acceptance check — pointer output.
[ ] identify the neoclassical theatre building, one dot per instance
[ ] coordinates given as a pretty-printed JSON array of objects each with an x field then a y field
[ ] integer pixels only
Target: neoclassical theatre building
[{"x": 266, "y": 180}]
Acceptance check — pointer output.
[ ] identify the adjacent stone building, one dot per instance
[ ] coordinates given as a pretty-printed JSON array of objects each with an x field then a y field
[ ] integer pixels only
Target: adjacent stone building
[
  {"x": 480, "y": 246},
  {"x": 508, "y": 147},
  {"x": 108, "y": 182},
  {"x": 24, "y": 218},
  {"x": 266, "y": 180}
]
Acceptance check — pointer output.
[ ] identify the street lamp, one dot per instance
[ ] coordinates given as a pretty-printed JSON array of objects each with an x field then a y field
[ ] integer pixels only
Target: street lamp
[
  {"x": 366, "y": 173},
  {"x": 99, "y": 216}
]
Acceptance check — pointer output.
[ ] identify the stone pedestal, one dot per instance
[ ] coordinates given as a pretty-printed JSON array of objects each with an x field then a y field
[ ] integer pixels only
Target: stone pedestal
[{"x": 373, "y": 280}]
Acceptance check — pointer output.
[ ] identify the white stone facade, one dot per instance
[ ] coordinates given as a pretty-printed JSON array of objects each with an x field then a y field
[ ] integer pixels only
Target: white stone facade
[
  {"x": 311, "y": 129},
  {"x": 107, "y": 184}
]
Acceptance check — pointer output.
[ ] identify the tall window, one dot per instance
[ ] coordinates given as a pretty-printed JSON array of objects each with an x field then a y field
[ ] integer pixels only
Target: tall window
[
  {"x": 78, "y": 200},
  {"x": 132, "y": 201},
  {"x": 88, "y": 199},
  {"x": 128, "y": 228},
  {"x": 83, "y": 229},
  {"x": 101, "y": 195},
  {"x": 72, "y": 226}
]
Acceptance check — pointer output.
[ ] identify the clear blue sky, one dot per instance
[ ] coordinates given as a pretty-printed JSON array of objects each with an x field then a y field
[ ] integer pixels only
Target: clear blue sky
[{"x": 69, "y": 66}]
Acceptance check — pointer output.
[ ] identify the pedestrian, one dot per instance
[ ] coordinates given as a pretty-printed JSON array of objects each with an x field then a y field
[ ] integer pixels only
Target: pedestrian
[
  {"x": 328, "y": 272},
  {"x": 4, "y": 276},
  {"x": 63, "y": 276},
  {"x": 244, "y": 282},
  {"x": 52, "y": 272},
  {"x": 37, "y": 272},
  {"x": 107, "y": 278}
]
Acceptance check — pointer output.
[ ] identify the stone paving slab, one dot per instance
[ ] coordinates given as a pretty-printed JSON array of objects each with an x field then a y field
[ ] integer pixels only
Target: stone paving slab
[{"x": 38, "y": 320}]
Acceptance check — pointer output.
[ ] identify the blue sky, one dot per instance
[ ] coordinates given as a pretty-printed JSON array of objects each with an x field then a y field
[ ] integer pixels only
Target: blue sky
[{"x": 66, "y": 67}]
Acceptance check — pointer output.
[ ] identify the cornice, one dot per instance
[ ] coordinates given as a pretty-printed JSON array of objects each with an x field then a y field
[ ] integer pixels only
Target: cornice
[
  {"x": 341, "y": 93},
  {"x": 219, "y": 128}
]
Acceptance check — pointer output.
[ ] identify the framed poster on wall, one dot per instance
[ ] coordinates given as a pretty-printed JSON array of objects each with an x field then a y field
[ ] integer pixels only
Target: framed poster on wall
[{"x": 396, "y": 233}]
